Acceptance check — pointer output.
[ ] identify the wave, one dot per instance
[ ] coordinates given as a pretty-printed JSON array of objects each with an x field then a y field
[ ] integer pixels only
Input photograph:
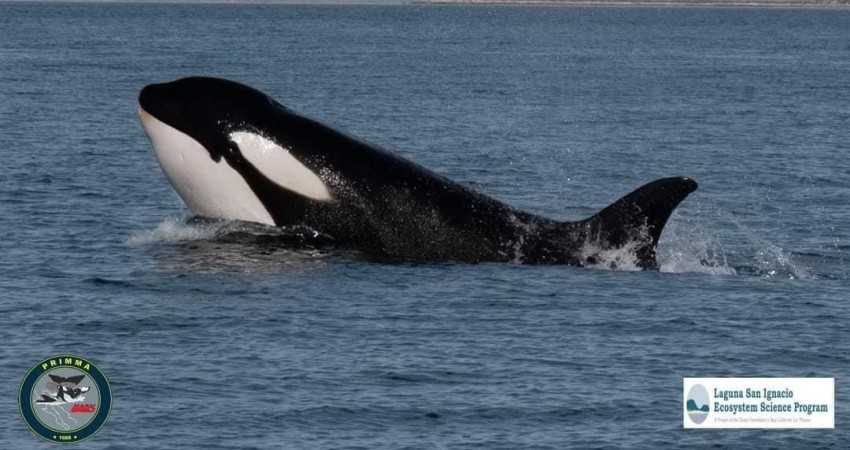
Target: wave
[{"x": 708, "y": 242}]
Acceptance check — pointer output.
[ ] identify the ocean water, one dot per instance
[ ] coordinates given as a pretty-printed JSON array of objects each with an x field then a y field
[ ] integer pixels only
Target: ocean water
[{"x": 212, "y": 339}]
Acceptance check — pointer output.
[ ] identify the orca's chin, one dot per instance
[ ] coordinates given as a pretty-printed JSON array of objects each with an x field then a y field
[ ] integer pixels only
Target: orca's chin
[{"x": 209, "y": 188}]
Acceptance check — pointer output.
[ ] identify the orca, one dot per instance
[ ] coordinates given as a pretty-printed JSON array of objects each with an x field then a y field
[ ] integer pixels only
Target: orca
[
  {"x": 232, "y": 152},
  {"x": 66, "y": 390}
]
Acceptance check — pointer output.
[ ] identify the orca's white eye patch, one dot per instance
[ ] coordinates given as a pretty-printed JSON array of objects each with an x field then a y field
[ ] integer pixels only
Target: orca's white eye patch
[{"x": 278, "y": 165}]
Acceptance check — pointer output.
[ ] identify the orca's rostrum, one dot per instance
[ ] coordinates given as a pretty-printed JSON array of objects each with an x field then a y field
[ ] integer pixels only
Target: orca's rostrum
[{"x": 232, "y": 152}]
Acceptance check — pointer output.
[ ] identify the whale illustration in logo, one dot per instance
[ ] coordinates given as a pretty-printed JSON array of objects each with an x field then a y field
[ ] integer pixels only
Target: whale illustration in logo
[{"x": 232, "y": 152}]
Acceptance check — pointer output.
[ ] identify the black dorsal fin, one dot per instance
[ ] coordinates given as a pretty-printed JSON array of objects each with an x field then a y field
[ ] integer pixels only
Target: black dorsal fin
[{"x": 638, "y": 218}]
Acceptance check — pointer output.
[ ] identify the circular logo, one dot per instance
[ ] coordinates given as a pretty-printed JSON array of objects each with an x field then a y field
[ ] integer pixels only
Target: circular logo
[
  {"x": 65, "y": 399},
  {"x": 697, "y": 404}
]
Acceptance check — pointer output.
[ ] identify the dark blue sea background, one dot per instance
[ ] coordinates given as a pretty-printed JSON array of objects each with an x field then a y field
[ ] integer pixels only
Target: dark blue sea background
[{"x": 212, "y": 340}]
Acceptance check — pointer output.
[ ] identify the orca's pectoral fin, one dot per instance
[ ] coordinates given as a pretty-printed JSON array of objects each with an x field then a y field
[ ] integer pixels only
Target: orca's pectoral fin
[{"x": 638, "y": 218}]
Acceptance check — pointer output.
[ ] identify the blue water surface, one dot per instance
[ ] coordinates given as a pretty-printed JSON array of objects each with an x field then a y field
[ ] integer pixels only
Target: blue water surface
[{"x": 216, "y": 342}]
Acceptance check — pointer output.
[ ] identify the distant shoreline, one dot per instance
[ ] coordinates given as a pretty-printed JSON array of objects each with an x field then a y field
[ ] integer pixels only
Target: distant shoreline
[
  {"x": 661, "y": 3},
  {"x": 814, "y": 4}
]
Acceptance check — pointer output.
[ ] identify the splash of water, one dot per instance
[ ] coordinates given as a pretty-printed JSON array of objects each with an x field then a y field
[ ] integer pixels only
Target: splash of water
[
  {"x": 176, "y": 229},
  {"x": 622, "y": 258},
  {"x": 688, "y": 245},
  {"x": 693, "y": 251}
]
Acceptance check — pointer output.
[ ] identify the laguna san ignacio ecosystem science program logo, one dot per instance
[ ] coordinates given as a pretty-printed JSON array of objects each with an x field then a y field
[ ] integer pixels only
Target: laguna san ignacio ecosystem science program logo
[
  {"x": 697, "y": 404},
  {"x": 65, "y": 399}
]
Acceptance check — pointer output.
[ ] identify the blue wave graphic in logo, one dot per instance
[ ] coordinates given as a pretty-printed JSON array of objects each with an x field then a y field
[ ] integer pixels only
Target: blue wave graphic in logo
[{"x": 697, "y": 404}]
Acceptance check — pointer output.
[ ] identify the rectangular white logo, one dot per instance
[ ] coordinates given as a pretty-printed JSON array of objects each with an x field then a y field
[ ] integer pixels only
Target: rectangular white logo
[{"x": 758, "y": 402}]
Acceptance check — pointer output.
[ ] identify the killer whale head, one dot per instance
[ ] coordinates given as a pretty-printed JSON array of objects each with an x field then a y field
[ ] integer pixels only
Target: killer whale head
[
  {"x": 207, "y": 109},
  {"x": 215, "y": 143}
]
